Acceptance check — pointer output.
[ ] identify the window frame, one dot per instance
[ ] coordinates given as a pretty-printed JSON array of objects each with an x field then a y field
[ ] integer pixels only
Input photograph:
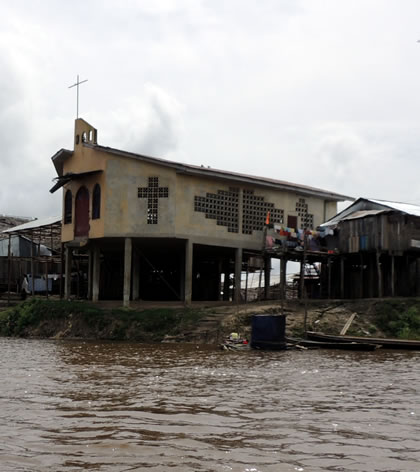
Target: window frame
[
  {"x": 96, "y": 202},
  {"x": 68, "y": 207}
]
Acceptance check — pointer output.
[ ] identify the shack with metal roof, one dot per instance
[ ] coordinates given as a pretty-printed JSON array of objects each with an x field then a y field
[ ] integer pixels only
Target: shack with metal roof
[
  {"x": 32, "y": 247},
  {"x": 378, "y": 243}
]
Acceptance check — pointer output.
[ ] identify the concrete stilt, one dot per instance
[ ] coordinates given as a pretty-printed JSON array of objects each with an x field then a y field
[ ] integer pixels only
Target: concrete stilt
[
  {"x": 127, "y": 271},
  {"x": 188, "y": 271},
  {"x": 96, "y": 264},
  {"x": 89, "y": 278},
  {"x": 302, "y": 279},
  {"x": 238, "y": 270},
  {"x": 220, "y": 271},
  {"x": 283, "y": 269},
  {"x": 69, "y": 260},
  {"x": 136, "y": 275},
  {"x": 267, "y": 273},
  {"x": 226, "y": 284}
]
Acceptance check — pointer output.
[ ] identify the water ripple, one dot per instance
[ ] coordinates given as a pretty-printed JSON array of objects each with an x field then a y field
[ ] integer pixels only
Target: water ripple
[{"x": 69, "y": 406}]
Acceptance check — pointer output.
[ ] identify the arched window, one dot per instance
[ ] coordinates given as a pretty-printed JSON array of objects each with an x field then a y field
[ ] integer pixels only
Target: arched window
[
  {"x": 68, "y": 207},
  {"x": 96, "y": 202},
  {"x": 81, "y": 212}
]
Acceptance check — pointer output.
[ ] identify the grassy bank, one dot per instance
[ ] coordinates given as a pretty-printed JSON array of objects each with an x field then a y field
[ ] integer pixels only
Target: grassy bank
[
  {"x": 71, "y": 319},
  {"x": 38, "y": 317}
]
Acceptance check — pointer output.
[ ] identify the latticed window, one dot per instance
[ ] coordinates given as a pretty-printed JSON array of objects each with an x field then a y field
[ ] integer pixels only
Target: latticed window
[
  {"x": 306, "y": 219},
  {"x": 255, "y": 210},
  {"x": 96, "y": 202},
  {"x": 222, "y": 206},
  {"x": 68, "y": 204}
]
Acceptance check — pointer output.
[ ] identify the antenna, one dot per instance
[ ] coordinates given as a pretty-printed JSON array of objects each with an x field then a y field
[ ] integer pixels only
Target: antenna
[{"x": 77, "y": 85}]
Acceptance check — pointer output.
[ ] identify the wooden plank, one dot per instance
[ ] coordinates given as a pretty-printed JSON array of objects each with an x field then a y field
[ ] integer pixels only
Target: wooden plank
[{"x": 347, "y": 325}]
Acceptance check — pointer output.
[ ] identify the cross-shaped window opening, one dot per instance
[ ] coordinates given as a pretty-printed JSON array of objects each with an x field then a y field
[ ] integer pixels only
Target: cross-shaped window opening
[{"x": 153, "y": 192}]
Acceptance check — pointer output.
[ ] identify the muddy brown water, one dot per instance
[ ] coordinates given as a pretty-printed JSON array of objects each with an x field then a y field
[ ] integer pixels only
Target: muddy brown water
[{"x": 69, "y": 406}]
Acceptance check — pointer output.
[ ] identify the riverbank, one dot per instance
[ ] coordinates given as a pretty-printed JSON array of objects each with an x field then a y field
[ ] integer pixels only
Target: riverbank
[{"x": 204, "y": 323}]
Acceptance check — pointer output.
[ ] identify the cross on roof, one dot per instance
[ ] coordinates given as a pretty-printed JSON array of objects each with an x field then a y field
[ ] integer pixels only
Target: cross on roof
[
  {"x": 77, "y": 85},
  {"x": 153, "y": 192}
]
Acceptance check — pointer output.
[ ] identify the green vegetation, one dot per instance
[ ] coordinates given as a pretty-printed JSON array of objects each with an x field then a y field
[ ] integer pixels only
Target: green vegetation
[
  {"x": 59, "y": 318},
  {"x": 399, "y": 319},
  {"x": 39, "y": 317}
]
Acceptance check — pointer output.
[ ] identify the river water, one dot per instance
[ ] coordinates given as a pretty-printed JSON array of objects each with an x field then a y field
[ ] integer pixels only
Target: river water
[{"x": 69, "y": 406}]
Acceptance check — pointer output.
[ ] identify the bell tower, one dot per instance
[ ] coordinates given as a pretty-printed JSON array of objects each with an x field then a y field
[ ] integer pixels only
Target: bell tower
[{"x": 84, "y": 133}]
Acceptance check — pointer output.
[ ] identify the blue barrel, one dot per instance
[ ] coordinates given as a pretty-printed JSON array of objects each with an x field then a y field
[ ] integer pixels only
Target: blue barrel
[{"x": 268, "y": 332}]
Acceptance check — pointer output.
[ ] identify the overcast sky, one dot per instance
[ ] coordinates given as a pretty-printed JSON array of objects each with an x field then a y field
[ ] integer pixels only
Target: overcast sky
[{"x": 324, "y": 92}]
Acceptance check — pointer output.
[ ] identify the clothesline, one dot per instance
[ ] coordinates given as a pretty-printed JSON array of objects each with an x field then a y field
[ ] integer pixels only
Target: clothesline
[{"x": 292, "y": 238}]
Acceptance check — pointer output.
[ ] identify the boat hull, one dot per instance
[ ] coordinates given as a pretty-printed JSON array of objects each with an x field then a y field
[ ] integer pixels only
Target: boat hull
[
  {"x": 386, "y": 343},
  {"x": 353, "y": 346}
]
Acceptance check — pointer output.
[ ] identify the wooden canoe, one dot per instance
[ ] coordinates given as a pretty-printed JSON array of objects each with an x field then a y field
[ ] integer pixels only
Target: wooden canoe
[
  {"x": 348, "y": 346},
  {"x": 387, "y": 343}
]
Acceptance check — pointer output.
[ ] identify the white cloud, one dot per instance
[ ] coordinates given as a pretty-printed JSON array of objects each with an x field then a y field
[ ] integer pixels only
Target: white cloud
[
  {"x": 150, "y": 123},
  {"x": 320, "y": 93}
]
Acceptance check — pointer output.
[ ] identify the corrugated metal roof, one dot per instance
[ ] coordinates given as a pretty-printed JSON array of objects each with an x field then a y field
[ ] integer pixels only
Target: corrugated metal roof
[
  {"x": 363, "y": 207},
  {"x": 35, "y": 224},
  {"x": 408, "y": 208},
  {"x": 363, "y": 214},
  {"x": 208, "y": 172},
  {"x": 223, "y": 174}
]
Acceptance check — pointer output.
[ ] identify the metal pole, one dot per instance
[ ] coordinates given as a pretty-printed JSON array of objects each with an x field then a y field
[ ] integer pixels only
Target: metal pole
[
  {"x": 77, "y": 88},
  {"x": 77, "y": 107}
]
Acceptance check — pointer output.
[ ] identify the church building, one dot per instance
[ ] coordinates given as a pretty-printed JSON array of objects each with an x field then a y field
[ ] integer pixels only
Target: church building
[{"x": 154, "y": 229}]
